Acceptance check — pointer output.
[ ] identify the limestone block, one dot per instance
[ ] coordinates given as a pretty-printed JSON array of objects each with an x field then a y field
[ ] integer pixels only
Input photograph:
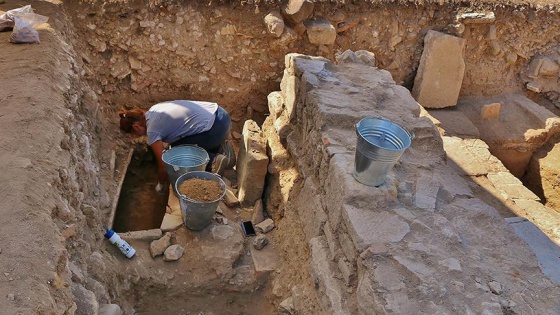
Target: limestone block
[
  {"x": 275, "y": 104},
  {"x": 86, "y": 301},
  {"x": 547, "y": 252},
  {"x": 265, "y": 262},
  {"x": 282, "y": 126},
  {"x": 347, "y": 270},
  {"x": 367, "y": 227},
  {"x": 510, "y": 186},
  {"x": 288, "y": 37},
  {"x": 109, "y": 309},
  {"x": 490, "y": 111},
  {"x": 77, "y": 274},
  {"x": 171, "y": 222},
  {"x": 310, "y": 209},
  {"x": 320, "y": 32},
  {"x": 390, "y": 276},
  {"x": 274, "y": 23},
  {"x": 342, "y": 188},
  {"x": 347, "y": 246},
  {"x": 544, "y": 217},
  {"x": 440, "y": 74},
  {"x": 265, "y": 226},
  {"x": 483, "y": 17},
  {"x": 173, "y": 252},
  {"x": 331, "y": 240},
  {"x": 287, "y": 306},
  {"x": 330, "y": 291},
  {"x": 145, "y": 235},
  {"x": 368, "y": 296},
  {"x": 258, "y": 212},
  {"x": 534, "y": 68},
  {"x": 158, "y": 247},
  {"x": 549, "y": 68},
  {"x": 295, "y": 11},
  {"x": 252, "y": 164},
  {"x": 473, "y": 155},
  {"x": 222, "y": 232},
  {"x": 451, "y": 186},
  {"x": 230, "y": 199},
  {"x": 534, "y": 86},
  {"x": 260, "y": 242},
  {"x": 427, "y": 189},
  {"x": 360, "y": 56}
]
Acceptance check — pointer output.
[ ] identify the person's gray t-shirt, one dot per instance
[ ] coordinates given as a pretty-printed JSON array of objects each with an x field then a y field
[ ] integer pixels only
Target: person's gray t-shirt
[{"x": 170, "y": 121}]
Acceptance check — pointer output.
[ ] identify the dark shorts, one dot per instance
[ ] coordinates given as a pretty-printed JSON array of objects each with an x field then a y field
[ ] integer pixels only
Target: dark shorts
[{"x": 210, "y": 140}]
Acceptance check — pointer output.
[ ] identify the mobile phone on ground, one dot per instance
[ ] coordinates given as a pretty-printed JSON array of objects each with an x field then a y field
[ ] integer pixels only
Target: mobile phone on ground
[{"x": 248, "y": 228}]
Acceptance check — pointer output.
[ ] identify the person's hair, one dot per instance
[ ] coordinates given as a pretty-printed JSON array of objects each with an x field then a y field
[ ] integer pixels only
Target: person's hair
[{"x": 129, "y": 117}]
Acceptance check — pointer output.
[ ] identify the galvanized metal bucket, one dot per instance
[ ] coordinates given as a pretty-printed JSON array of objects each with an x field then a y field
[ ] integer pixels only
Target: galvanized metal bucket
[
  {"x": 381, "y": 143},
  {"x": 197, "y": 215},
  {"x": 182, "y": 159}
]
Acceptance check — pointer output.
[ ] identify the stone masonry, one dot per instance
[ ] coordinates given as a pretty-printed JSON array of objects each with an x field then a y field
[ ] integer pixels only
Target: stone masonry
[
  {"x": 251, "y": 164},
  {"x": 419, "y": 244},
  {"x": 440, "y": 73}
]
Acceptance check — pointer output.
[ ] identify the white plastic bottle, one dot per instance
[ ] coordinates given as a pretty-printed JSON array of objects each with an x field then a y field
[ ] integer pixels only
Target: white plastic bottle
[{"x": 123, "y": 245}]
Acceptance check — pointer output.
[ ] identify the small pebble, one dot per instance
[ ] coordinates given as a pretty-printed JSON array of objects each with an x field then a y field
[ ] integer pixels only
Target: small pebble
[{"x": 10, "y": 296}]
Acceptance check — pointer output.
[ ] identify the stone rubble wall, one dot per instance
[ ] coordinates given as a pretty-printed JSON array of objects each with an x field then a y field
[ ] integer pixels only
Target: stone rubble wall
[{"x": 419, "y": 244}]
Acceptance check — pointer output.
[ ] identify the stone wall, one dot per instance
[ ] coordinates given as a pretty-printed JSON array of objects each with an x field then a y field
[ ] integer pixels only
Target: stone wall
[{"x": 422, "y": 240}]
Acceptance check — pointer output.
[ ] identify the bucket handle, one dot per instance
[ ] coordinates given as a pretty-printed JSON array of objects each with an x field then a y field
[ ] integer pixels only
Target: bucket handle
[{"x": 190, "y": 145}]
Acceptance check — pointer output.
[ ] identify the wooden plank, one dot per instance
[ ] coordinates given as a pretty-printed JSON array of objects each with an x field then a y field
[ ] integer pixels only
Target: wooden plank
[{"x": 119, "y": 187}]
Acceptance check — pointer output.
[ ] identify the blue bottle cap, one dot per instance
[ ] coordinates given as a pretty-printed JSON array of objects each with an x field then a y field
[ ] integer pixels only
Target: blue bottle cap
[{"x": 109, "y": 233}]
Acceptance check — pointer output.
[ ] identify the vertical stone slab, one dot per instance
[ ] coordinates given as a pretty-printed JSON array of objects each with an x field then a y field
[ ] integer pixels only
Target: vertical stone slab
[
  {"x": 252, "y": 164},
  {"x": 440, "y": 73}
]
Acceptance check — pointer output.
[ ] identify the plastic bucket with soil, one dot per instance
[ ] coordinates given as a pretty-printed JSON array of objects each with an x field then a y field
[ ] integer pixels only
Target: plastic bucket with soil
[{"x": 199, "y": 193}]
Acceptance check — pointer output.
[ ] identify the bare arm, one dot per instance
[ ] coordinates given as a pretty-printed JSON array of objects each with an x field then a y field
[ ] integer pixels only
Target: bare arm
[{"x": 157, "y": 148}]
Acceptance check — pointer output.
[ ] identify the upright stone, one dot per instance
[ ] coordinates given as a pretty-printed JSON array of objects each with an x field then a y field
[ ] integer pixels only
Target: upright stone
[
  {"x": 440, "y": 73},
  {"x": 295, "y": 11},
  {"x": 252, "y": 164},
  {"x": 320, "y": 32},
  {"x": 274, "y": 23}
]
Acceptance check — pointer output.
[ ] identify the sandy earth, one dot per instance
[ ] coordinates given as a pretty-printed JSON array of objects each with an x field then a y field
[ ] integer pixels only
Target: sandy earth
[
  {"x": 31, "y": 157},
  {"x": 56, "y": 194}
]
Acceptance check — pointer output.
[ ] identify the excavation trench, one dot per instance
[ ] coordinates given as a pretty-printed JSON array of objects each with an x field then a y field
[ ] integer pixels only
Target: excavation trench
[
  {"x": 139, "y": 206},
  {"x": 426, "y": 239},
  {"x": 220, "y": 270}
]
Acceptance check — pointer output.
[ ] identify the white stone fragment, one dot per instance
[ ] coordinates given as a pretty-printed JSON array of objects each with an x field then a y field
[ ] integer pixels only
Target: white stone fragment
[{"x": 173, "y": 252}]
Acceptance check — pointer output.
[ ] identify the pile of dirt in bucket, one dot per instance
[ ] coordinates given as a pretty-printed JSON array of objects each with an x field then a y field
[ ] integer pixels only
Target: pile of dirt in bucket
[{"x": 200, "y": 189}]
